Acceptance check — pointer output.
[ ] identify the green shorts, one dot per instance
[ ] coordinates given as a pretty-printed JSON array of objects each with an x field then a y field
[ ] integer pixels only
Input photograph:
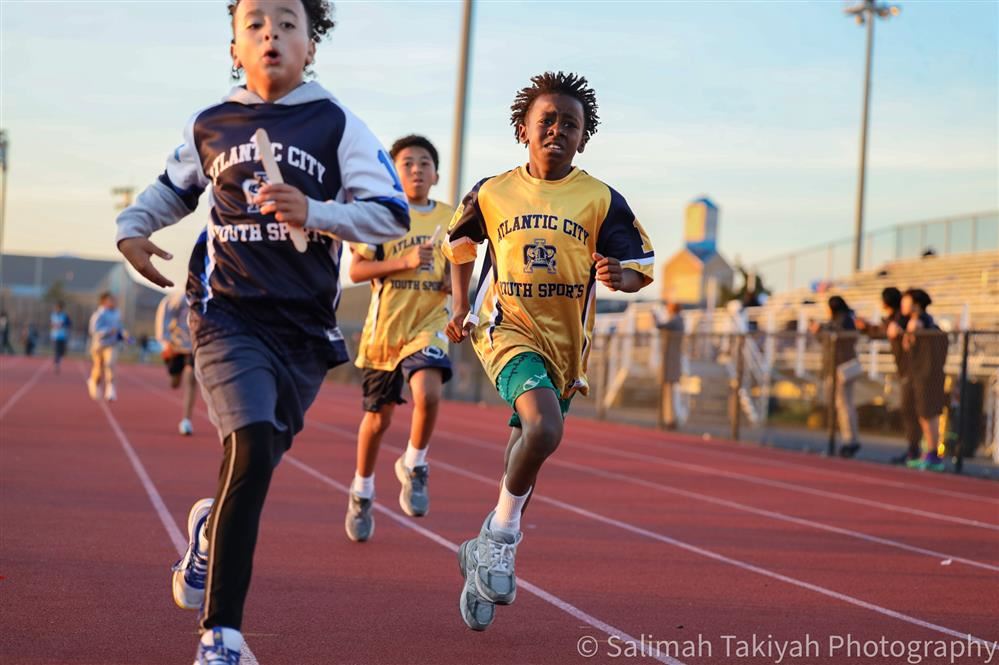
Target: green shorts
[{"x": 525, "y": 372}]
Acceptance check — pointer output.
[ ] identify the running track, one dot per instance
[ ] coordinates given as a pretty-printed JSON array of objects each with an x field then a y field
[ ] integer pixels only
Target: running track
[{"x": 631, "y": 533}]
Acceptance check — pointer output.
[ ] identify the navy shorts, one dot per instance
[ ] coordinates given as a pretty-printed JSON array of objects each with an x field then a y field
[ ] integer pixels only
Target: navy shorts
[
  {"x": 177, "y": 362},
  {"x": 244, "y": 381},
  {"x": 383, "y": 387}
]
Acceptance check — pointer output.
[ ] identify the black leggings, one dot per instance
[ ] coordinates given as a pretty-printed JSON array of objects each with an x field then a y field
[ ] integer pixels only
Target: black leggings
[{"x": 251, "y": 454}]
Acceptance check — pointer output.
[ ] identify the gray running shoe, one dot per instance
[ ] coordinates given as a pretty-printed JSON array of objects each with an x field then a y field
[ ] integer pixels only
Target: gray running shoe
[
  {"x": 494, "y": 577},
  {"x": 360, "y": 523},
  {"x": 476, "y": 611},
  {"x": 414, "y": 499}
]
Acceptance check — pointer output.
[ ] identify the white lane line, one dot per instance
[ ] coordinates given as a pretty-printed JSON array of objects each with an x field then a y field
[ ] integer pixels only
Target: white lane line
[
  {"x": 546, "y": 596},
  {"x": 801, "y": 489},
  {"x": 609, "y": 630},
  {"x": 173, "y": 530},
  {"x": 939, "y": 556},
  {"x": 726, "y": 451},
  {"x": 672, "y": 541},
  {"x": 698, "y": 550},
  {"x": 721, "y": 449},
  {"x": 13, "y": 399},
  {"x": 858, "y": 477},
  {"x": 766, "y": 481}
]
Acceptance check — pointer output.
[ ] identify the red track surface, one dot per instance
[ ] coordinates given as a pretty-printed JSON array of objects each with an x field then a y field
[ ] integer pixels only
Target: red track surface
[{"x": 631, "y": 533}]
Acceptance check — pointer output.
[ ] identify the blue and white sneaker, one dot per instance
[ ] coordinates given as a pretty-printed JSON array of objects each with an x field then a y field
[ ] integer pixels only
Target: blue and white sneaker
[
  {"x": 190, "y": 572},
  {"x": 219, "y": 646}
]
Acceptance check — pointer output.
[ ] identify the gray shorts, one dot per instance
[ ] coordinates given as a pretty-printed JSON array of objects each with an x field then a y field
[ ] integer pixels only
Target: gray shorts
[{"x": 244, "y": 381}]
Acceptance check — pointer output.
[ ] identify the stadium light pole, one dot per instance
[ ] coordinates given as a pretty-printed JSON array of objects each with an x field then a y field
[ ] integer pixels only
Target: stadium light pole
[
  {"x": 124, "y": 196},
  {"x": 3, "y": 203},
  {"x": 461, "y": 97},
  {"x": 865, "y": 12}
]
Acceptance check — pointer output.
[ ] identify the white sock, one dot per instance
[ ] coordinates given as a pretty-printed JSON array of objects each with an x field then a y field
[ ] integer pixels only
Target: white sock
[
  {"x": 363, "y": 487},
  {"x": 508, "y": 509},
  {"x": 414, "y": 457}
]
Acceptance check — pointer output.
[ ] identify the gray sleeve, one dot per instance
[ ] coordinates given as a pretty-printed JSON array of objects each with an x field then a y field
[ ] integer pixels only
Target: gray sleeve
[
  {"x": 173, "y": 196},
  {"x": 367, "y": 222},
  {"x": 156, "y": 207}
]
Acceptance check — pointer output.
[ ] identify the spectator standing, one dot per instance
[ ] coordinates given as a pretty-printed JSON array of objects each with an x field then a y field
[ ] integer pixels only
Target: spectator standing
[
  {"x": 840, "y": 360},
  {"x": 672, "y": 365},
  {"x": 926, "y": 348},
  {"x": 892, "y": 328}
]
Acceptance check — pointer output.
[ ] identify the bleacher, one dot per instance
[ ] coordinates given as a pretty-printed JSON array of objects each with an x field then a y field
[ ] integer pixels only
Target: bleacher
[
  {"x": 964, "y": 288},
  {"x": 955, "y": 282}
]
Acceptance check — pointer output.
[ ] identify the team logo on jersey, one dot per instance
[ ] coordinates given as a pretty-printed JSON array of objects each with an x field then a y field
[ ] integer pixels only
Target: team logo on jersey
[
  {"x": 251, "y": 186},
  {"x": 539, "y": 254}
]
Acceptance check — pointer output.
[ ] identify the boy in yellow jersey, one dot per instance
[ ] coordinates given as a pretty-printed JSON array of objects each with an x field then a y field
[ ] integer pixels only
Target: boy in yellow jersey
[
  {"x": 553, "y": 231},
  {"x": 403, "y": 338}
]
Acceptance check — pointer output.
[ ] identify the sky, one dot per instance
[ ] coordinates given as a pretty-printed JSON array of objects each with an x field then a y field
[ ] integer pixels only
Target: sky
[{"x": 754, "y": 104}]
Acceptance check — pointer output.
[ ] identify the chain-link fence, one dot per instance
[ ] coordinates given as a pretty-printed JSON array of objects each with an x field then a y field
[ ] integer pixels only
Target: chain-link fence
[
  {"x": 726, "y": 382},
  {"x": 978, "y": 232},
  {"x": 731, "y": 384}
]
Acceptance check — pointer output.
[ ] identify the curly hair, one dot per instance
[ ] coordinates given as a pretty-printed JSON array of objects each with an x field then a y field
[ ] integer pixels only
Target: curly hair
[
  {"x": 417, "y": 141},
  {"x": 559, "y": 83},
  {"x": 319, "y": 13}
]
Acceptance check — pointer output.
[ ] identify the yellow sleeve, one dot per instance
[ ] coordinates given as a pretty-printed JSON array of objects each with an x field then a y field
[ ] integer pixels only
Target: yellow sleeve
[{"x": 369, "y": 252}]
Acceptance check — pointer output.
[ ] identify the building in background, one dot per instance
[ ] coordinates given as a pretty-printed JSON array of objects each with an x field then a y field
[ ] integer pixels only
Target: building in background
[
  {"x": 32, "y": 284},
  {"x": 686, "y": 276}
]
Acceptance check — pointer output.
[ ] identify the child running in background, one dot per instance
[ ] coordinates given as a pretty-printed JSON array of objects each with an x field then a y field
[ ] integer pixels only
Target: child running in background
[
  {"x": 403, "y": 339},
  {"x": 106, "y": 333},
  {"x": 553, "y": 231},
  {"x": 59, "y": 327},
  {"x": 263, "y": 314},
  {"x": 174, "y": 335}
]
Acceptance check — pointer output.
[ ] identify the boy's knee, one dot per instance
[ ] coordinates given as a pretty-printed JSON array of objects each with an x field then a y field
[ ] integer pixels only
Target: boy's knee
[
  {"x": 543, "y": 437},
  {"x": 380, "y": 420},
  {"x": 427, "y": 400},
  {"x": 258, "y": 449}
]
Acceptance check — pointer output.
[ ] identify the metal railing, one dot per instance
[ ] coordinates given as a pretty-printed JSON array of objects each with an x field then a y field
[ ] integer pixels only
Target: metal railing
[
  {"x": 729, "y": 379},
  {"x": 976, "y": 232}
]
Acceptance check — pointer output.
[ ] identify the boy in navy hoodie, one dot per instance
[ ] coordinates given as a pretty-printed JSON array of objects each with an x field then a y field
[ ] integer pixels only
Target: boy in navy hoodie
[{"x": 263, "y": 315}]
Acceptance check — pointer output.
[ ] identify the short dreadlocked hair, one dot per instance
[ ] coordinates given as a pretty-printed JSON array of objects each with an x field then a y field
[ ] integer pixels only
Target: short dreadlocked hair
[
  {"x": 562, "y": 84},
  {"x": 319, "y": 13}
]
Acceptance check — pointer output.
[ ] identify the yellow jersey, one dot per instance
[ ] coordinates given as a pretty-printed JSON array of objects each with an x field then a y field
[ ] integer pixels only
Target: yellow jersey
[
  {"x": 408, "y": 310},
  {"x": 537, "y": 288}
]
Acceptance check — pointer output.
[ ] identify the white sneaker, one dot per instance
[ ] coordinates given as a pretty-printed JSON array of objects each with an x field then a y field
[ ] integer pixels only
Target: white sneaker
[
  {"x": 110, "y": 394},
  {"x": 93, "y": 389},
  {"x": 185, "y": 427},
  {"x": 219, "y": 646},
  {"x": 190, "y": 573}
]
